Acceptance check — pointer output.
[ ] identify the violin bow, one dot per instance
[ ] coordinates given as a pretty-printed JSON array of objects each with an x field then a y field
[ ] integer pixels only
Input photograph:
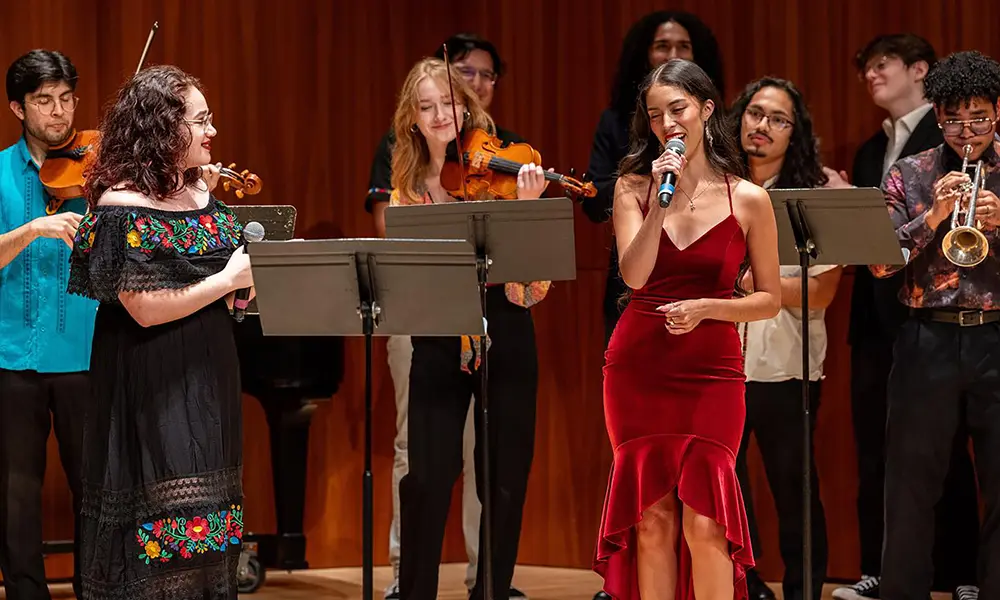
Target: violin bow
[
  {"x": 149, "y": 40},
  {"x": 454, "y": 115}
]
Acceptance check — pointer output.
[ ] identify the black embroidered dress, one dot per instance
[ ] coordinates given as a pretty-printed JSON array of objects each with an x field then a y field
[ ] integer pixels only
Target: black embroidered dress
[{"x": 162, "y": 513}]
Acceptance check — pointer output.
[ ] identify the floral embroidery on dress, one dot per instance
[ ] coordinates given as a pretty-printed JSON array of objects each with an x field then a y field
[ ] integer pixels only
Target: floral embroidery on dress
[
  {"x": 185, "y": 233},
  {"x": 168, "y": 538}
]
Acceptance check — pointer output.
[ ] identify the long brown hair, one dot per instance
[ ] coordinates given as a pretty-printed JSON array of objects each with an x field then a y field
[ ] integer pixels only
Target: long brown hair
[
  {"x": 410, "y": 155},
  {"x": 143, "y": 137}
]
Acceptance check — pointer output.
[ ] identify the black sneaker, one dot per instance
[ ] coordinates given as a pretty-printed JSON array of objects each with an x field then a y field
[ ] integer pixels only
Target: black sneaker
[
  {"x": 392, "y": 592},
  {"x": 965, "y": 592},
  {"x": 866, "y": 588}
]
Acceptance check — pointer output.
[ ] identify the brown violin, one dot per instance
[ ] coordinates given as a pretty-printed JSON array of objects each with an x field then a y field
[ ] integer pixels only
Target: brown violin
[
  {"x": 64, "y": 166},
  {"x": 487, "y": 167},
  {"x": 491, "y": 167},
  {"x": 244, "y": 182}
]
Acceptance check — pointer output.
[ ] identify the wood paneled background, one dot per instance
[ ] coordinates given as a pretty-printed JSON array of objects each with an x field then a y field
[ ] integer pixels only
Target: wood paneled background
[{"x": 303, "y": 90}]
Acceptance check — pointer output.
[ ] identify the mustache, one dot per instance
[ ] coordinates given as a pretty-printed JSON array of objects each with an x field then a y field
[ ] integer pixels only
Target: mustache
[{"x": 759, "y": 132}]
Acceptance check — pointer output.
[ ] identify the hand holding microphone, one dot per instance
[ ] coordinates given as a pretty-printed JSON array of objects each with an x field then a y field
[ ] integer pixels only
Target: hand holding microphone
[
  {"x": 253, "y": 232},
  {"x": 667, "y": 169}
]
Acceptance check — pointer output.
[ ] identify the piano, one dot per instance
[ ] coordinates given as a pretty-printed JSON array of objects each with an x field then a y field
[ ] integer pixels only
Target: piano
[{"x": 289, "y": 376}]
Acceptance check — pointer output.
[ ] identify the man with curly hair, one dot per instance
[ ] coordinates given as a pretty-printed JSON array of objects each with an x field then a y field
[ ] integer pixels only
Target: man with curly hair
[
  {"x": 947, "y": 353},
  {"x": 45, "y": 334},
  {"x": 775, "y": 131}
]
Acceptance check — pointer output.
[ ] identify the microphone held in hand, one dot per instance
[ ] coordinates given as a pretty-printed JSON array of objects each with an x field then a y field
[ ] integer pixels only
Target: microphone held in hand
[
  {"x": 253, "y": 232},
  {"x": 666, "y": 192}
]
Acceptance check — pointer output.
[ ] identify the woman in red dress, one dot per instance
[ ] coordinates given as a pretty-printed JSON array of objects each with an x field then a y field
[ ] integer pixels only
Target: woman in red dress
[{"x": 674, "y": 525}]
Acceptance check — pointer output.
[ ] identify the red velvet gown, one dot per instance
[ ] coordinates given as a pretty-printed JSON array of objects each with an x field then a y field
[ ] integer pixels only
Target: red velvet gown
[{"x": 674, "y": 408}]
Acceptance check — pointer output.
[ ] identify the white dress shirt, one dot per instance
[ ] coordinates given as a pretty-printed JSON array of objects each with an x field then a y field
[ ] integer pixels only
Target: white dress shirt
[{"x": 899, "y": 133}]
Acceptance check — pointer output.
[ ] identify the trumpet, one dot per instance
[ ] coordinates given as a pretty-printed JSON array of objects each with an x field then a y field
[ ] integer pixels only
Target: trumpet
[{"x": 966, "y": 245}]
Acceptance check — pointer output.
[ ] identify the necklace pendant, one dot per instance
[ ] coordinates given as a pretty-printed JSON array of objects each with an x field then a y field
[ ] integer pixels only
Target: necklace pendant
[{"x": 691, "y": 204}]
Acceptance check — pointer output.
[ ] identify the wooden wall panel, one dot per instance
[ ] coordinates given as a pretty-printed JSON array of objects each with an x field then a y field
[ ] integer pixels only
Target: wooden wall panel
[{"x": 302, "y": 92}]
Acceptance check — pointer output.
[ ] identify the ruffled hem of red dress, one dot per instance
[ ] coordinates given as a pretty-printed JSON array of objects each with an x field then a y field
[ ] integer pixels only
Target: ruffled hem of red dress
[{"x": 645, "y": 471}]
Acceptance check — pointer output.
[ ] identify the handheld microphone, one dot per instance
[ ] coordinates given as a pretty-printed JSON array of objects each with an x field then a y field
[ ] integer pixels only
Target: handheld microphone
[
  {"x": 253, "y": 232},
  {"x": 666, "y": 192}
]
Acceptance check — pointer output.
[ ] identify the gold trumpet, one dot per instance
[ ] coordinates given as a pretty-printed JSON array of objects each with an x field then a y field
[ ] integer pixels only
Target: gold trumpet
[{"x": 966, "y": 245}]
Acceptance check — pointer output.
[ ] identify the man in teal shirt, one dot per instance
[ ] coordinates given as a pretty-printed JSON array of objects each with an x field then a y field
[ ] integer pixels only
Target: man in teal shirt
[{"x": 45, "y": 333}]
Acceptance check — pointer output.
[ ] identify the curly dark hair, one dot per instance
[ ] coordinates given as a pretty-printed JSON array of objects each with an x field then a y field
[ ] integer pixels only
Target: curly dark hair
[
  {"x": 644, "y": 147},
  {"x": 143, "y": 137},
  {"x": 633, "y": 62},
  {"x": 801, "y": 167},
  {"x": 961, "y": 77}
]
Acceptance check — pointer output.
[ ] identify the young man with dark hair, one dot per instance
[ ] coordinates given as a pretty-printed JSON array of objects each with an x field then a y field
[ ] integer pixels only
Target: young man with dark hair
[
  {"x": 45, "y": 333},
  {"x": 775, "y": 132},
  {"x": 894, "y": 68},
  {"x": 479, "y": 63},
  {"x": 946, "y": 367}
]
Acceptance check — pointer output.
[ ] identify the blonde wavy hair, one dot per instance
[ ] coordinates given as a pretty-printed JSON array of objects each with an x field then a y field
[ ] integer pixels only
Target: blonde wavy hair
[{"x": 410, "y": 155}]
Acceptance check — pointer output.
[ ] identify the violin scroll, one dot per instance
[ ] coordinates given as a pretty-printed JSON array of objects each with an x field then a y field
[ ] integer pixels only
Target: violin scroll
[{"x": 244, "y": 182}]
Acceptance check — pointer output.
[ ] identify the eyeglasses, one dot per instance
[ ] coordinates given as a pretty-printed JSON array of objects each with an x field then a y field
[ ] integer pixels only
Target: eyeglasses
[
  {"x": 46, "y": 104},
  {"x": 205, "y": 121},
  {"x": 755, "y": 116},
  {"x": 879, "y": 67},
  {"x": 469, "y": 73},
  {"x": 978, "y": 126}
]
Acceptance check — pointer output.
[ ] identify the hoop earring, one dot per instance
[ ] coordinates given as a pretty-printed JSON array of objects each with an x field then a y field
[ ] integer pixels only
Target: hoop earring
[
  {"x": 413, "y": 128},
  {"x": 466, "y": 115}
]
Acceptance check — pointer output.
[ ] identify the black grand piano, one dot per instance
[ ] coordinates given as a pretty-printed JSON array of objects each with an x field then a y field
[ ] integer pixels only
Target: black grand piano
[{"x": 289, "y": 376}]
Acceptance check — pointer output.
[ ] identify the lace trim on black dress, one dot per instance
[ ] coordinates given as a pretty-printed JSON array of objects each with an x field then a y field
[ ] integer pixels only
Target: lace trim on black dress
[
  {"x": 134, "y": 249},
  {"x": 194, "y": 524}
]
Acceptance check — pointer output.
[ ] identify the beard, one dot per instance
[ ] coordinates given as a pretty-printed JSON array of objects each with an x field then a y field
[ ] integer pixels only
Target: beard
[
  {"x": 753, "y": 150},
  {"x": 46, "y": 135}
]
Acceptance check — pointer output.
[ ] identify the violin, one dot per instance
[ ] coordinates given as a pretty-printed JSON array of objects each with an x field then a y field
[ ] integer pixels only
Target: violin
[
  {"x": 244, "y": 182},
  {"x": 491, "y": 169},
  {"x": 487, "y": 167},
  {"x": 64, "y": 166}
]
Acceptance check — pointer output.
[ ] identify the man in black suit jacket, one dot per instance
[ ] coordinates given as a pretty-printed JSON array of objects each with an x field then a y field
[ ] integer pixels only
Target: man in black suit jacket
[{"x": 893, "y": 68}]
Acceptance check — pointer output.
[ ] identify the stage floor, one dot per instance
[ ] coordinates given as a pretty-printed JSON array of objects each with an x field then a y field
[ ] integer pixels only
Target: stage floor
[{"x": 539, "y": 583}]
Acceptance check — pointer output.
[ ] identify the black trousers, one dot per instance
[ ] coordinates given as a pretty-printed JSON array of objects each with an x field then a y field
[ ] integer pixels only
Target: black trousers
[
  {"x": 942, "y": 375},
  {"x": 29, "y": 404},
  {"x": 774, "y": 416},
  {"x": 956, "y": 514},
  {"x": 438, "y": 405}
]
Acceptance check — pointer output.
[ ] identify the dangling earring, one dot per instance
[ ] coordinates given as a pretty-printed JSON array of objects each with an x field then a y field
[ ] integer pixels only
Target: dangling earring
[{"x": 708, "y": 134}]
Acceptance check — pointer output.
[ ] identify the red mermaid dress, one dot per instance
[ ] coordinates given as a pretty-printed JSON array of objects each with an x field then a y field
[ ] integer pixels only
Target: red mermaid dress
[{"x": 674, "y": 408}]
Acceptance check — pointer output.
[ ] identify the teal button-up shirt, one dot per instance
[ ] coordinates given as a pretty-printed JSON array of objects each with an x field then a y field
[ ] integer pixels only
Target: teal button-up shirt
[{"x": 42, "y": 327}]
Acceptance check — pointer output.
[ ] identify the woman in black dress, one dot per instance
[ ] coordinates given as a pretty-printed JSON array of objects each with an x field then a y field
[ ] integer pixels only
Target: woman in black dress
[{"x": 162, "y": 512}]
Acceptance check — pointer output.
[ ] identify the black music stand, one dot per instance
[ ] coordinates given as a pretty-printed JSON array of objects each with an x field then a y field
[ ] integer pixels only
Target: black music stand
[
  {"x": 832, "y": 227},
  {"x": 351, "y": 287},
  {"x": 515, "y": 241}
]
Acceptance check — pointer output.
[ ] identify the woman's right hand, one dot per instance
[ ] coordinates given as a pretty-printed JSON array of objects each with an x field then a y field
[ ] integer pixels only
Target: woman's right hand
[
  {"x": 668, "y": 161},
  {"x": 238, "y": 270}
]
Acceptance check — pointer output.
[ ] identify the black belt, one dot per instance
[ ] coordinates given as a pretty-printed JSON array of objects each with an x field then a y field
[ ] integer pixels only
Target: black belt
[{"x": 963, "y": 318}]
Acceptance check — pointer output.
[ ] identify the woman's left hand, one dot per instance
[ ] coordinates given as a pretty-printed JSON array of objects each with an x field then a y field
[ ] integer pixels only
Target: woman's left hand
[
  {"x": 683, "y": 316},
  {"x": 211, "y": 175},
  {"x": 531, "y": 181}
]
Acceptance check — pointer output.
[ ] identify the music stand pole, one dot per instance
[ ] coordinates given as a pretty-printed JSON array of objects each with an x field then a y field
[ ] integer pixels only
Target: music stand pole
[
  {"x": 806, "y": 248},
  {"x": 369, "y": 313}
]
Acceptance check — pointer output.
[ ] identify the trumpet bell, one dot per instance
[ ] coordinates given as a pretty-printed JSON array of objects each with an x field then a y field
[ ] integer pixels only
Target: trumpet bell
[{"x": 965, "y": 246}]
